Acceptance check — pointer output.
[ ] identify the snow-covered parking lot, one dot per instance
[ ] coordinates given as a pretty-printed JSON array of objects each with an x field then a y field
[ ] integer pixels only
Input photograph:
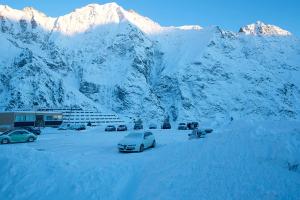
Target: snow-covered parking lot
[{"x": 236, "y": 161}]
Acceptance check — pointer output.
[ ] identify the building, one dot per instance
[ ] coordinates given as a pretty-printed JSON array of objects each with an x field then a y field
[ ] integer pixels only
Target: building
[
  {"x": 13, "y": 119},
  {"x": 79, "y": 116}
]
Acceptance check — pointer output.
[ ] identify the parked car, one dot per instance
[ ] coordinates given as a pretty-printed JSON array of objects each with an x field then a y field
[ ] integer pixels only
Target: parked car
[
  {"x": 192, "y": 125},
  {"x": 199, "y": 133},
  {"x": 64, "y": 127},
  {"x": 137, "y": 142},
  {"x": 79, "y": 127},
  {"x": 34, "y": 130},
  {"x": 208, "y": 130},
  {"x": 138, "y": 126},
  {"x": 182, "y": 126},
  {"x": 122, "y": 128},
  {"x": 20, "y": 135},
  {"x": 152, "y": 126},
  {"x": 166, "y": 125},
  {"x": 110, "y": 128}
]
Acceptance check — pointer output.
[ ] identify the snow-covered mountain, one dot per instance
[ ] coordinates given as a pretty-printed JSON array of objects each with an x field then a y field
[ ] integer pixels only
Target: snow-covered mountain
[
  {"x": 105, "y": 57},
  {"x": 259, "y": 28}
]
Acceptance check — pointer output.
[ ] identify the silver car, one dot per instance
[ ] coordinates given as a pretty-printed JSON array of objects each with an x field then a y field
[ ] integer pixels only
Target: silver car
[{"x": 137, "y": 142}]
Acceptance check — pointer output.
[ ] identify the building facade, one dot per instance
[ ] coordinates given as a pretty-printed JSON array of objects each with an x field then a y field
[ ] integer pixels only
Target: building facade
[
  {"x": 14, "y": 119},
  {"x": 79, "y": 116}
]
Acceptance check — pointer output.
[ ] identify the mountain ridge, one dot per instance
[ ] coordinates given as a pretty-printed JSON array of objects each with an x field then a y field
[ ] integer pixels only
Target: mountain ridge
[
  {"x": 130, "y": 15},
  {"x": 151, "y": 72}
]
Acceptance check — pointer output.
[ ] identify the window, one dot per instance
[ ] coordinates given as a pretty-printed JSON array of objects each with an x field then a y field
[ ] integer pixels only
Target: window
[
  {"x": 49, "y": 118},
  {"x": 25, "y": 118},
  {"x": 25, "y": 132},
  {"x": 53, "y": 117},
  {"x": 16, "y": 133},
  {"x": 147, "y": 134}
]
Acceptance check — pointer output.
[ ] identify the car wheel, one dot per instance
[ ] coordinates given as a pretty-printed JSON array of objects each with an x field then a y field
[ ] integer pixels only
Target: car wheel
[
  {"x": 153, "y": 144},
  {"x": 5, "y": 141},
  {"x": 141, "y": 148},
  {"x": 30, "y": 139}
]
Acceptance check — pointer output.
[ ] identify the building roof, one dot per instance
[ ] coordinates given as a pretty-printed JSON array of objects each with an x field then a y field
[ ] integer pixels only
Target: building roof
[{"x": 31, "y": 112}]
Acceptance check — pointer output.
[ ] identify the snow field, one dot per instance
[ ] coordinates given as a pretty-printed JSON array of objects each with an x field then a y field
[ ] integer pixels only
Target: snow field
[{"x": 242, "y": 160}]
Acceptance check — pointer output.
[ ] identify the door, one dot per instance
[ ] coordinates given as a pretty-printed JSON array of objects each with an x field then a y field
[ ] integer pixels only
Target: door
[
  {"x": 151, "y": 139},
  {"x": 147, "y": 140},
  {"x": 24, "y": 136},
  {"x": 39, "y": 122},
  {"x": 16, "y": 136}
]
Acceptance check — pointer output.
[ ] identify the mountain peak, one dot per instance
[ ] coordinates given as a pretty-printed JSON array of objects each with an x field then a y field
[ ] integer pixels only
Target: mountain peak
[
  {"x": 260, "y": 28},
  {"x": 95, "y": 6},
  {"x": 33, "y": 12},
  {"x": 29, "y": 8},
  {"x": 5, "y": 8},
  {"x": 92, "y": 15}
]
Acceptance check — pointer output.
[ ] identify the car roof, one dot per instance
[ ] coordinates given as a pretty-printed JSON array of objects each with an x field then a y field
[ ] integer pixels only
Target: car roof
[
  {"x": 6, "y": 132},
  {"x": 20, "y": 129},
  {"x": 135, "y": 133}
]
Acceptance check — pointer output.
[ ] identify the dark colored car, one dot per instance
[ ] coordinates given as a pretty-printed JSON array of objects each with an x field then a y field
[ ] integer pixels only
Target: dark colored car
[
  {"x": 182, "y": 126},
  {"x": 80, "y": 127},
  {"x": 138, "y": 126},
  {"x": 34, "y": 130},
  {"x": 152, "y": 126},
  {"x": 166, "y": 125},
  {"x": 199, "y": 133},
  {"x": 122, "y": 128},
  {"x": 192, "y": 125},
  {"x": 208, "y": 130},
  {"x": 110, "y": 128}
]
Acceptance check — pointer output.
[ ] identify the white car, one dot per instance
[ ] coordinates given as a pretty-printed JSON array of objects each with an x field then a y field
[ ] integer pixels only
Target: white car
[{"x": 137, "y": 141}]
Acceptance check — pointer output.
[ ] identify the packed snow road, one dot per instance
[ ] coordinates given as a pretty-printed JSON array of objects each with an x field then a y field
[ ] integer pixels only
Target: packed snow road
[{"x": 237, "y": 161}]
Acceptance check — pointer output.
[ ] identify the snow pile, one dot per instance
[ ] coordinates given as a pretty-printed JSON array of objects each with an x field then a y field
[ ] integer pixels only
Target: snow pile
[
  {"x": 259, "y": 28},
  {"x": 242, "y": 160}
]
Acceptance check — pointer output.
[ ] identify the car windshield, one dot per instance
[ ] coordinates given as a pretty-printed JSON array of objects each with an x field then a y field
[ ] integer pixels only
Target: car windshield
[
  {"x": 134, "y": 135},
  {"x": 6, "y": 132}
]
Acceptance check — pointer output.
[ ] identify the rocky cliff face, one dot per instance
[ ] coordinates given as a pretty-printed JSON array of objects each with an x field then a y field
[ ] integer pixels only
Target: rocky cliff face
[{"x": 102, "y": 56}]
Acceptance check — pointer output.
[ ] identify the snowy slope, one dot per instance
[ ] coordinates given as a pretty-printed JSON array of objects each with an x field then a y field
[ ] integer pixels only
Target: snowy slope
[
  {"x": 242, "y": 160},
  {"x": 105, "y": 57}
]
